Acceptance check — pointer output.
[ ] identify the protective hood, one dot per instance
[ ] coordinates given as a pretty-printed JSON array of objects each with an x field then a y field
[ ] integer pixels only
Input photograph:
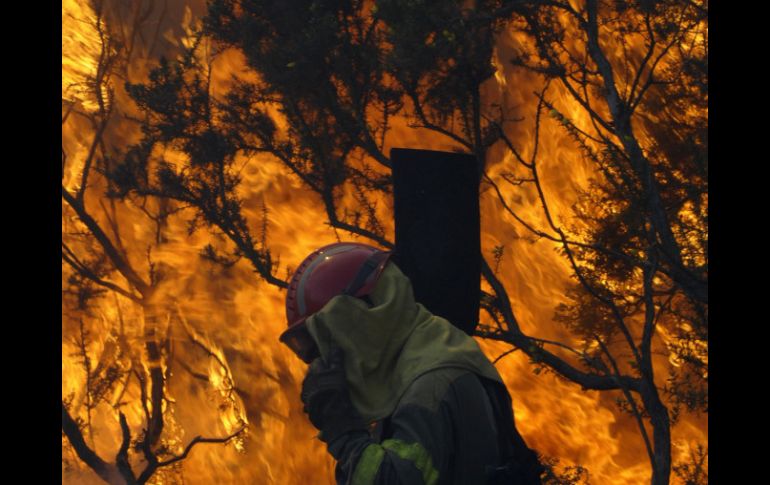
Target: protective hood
[{"x": 387, "y": 346}]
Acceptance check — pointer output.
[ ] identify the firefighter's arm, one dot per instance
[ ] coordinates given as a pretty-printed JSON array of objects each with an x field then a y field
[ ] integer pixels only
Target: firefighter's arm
[
  {"x": 406, "y": 458},
  {"x": 327, "y": 401},
  {"x": 414, "y": 454}
]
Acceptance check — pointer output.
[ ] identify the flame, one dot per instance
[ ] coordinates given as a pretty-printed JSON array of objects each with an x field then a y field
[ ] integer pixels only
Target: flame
[
  {"x": 226, "y": 368},
  {"x": 80, "y": 50}
]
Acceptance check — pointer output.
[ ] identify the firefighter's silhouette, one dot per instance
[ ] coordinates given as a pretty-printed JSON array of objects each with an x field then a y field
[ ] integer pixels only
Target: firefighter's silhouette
[{"x": 400, "y": 395}]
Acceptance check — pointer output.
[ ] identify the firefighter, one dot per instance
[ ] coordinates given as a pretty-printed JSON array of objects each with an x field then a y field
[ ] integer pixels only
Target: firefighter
[{"x": 399, "y": 395}]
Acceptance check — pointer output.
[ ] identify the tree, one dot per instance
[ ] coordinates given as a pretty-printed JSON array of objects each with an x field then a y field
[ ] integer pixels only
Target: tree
[
  {"x": 642, "y": 249},
  {"x": 328, "y": 79},
  {"x": 94, "y": 259}
]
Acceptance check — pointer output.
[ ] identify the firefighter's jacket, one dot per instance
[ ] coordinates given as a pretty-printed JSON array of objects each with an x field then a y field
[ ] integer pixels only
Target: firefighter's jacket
[{"x": 423, "y": 382}]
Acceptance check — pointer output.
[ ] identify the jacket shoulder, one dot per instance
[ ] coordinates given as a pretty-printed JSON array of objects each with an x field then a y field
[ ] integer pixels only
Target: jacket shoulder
[{"x": 432, "y": 387}]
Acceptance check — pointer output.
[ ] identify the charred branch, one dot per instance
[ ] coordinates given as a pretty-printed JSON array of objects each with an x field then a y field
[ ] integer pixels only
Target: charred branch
[
  {"x": 336, "y": 222},
  {"x": 71, "y": 259},
  {"x": 121, "y": 460},
  {"x": 106, "y": 471},
  {"x": 112, "y": 220},
  {"x": 188, "y": 449},
  {"x": 109, "y": 248},
  {"x": 422, "y": 121},
  {"x": 529, "y": 346},
  {"x": 504, "y": 354},
  {"x": 629, "y": 399}
]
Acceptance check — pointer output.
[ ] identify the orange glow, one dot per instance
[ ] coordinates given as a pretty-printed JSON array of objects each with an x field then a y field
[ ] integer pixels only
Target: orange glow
[{"x": 225, "y": 366}]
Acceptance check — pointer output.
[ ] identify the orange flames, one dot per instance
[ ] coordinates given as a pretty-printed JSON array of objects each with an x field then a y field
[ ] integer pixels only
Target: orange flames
[{"x": 224, "y": 365}]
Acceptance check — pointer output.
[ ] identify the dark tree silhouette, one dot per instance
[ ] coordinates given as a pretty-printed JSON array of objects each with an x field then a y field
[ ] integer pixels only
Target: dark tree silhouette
[
  {"x": 642, "y": 251},
  {"x": 93, "y": 253}
]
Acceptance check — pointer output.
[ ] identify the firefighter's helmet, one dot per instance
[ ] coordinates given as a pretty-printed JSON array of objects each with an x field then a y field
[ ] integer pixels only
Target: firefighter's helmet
[{"x": 341, "y": 268}]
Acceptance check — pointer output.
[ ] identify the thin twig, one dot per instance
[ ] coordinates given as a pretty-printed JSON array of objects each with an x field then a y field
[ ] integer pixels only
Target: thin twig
[
  {"x": 199, "y": 439},
  {"x": 507, "y": 352}
]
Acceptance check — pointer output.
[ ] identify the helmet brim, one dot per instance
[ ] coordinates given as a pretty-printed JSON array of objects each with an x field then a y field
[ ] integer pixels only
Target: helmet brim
[{"x": 298, "y": 339}]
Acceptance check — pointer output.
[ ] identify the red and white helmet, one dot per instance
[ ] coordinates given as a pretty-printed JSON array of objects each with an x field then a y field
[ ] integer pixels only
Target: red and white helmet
[{"x": 341, "y": 268}]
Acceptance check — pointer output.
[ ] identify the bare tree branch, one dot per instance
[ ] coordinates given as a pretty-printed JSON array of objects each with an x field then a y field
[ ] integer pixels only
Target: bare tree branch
[
  {"x": 112, "y": 252},
  {"x": 89, "y": 457},
  {"x": 504, "y": 354},
  {"x": 629, "y": 398},
  {"x": 425, "y": 123},
  {"x": 80, "y": 196},
  {"x": 199, "y": 439},
  {"x": 69, "y": 257},
  {"x": 576, "y": 268},
  {"x": 529, "y": 347},
  {"x": 124, "y": 466}
]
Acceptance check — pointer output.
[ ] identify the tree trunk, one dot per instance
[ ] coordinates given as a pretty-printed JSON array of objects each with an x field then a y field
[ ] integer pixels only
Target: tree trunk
[
  {"x": 661, "y": 433},
  {"x": 151, "y": 322}
]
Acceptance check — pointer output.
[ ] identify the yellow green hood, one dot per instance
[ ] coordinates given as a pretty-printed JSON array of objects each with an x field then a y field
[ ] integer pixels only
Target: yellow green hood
[{"x": 392, "y": 343}]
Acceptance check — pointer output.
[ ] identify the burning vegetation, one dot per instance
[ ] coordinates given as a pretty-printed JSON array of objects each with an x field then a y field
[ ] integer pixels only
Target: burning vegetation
[{"x": 208, "y": 147}]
